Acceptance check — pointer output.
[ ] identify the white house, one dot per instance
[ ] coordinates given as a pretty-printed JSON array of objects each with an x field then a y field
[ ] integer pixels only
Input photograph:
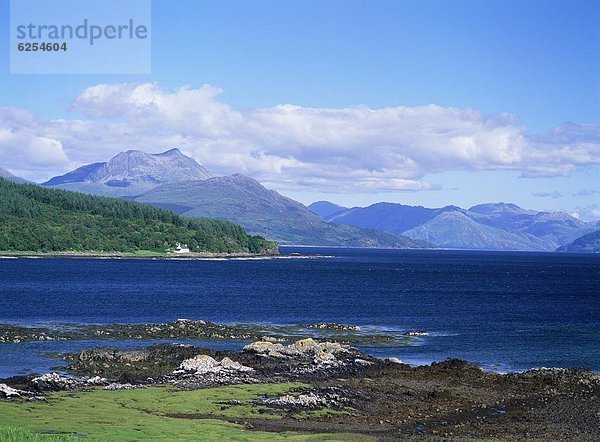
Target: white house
[{"x": 181, "y": 248}]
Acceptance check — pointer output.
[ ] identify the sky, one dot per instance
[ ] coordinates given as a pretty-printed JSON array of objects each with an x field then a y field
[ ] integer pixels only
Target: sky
[{"x": 418, "y": 102}]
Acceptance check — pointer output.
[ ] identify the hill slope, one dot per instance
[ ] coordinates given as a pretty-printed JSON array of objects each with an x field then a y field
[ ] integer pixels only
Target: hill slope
[
  {"x": 245, "y": 201},
  {"x": 33, "y": 218},
  {"x": 589, "y": 243},
  {"x": 131, "y": 173}
]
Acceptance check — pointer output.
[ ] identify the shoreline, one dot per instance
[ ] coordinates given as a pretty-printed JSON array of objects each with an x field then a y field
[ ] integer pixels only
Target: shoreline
[
  {"x": 181, "y": 256},
  {"x": 309, "y": 387}
]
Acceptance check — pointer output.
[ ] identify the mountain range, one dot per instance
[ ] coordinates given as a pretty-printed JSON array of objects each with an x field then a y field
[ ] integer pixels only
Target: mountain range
[
  {"x": 493, "y": 226},
  {"x": 174, "y": 181}
]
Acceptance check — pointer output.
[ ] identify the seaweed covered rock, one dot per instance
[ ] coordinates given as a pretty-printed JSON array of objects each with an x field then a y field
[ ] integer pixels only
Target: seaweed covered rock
[{"x": 131, "y": 365}]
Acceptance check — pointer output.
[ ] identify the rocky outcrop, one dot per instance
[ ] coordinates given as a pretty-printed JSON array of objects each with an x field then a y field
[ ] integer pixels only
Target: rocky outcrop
[
  {"x": 308, "y": 357},
  {"x": 304, "y": 401},
  {"x": 7, "y": 392},
  {"x": 202, "y": 364},
  {"x": 55, "y": 382},
  {"x": 130, "y": 365},
  {"x": 559, "y": 376},
  {"x": 204, "y": 370},
  {"x": 305, "y": 348},
  {"x": 118, "y": 386},
  {"x": 335, "y": 398}
]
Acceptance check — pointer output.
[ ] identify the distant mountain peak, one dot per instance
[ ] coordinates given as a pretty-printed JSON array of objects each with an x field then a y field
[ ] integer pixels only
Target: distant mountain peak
[
  {"x": 500, "y": 207},
  {"x": 132, "y": 172}
]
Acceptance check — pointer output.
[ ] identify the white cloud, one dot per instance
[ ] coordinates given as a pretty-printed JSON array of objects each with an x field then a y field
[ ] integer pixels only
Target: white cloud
[
  {"x": 354, "y": 149},
  {"x": 589, "y": 213},
  {"x": 24, "y": 146}
]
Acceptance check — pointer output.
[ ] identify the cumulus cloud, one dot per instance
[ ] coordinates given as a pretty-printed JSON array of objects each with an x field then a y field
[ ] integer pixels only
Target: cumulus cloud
[
  {"x": 291, "y": 147},
  {"x": 24, "y": 146}
]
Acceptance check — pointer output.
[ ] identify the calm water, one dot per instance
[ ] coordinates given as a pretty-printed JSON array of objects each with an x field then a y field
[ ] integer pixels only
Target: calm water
[{"x": 508, "y": 311}]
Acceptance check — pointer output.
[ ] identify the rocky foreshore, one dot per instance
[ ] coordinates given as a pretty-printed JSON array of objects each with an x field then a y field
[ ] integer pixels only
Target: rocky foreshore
[
  {"x": 187, "y": 329},
  {"x": 384, "y": 398}
]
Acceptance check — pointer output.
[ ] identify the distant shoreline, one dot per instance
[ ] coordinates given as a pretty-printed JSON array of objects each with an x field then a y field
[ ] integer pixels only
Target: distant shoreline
[{"x": 151, "y": 256}]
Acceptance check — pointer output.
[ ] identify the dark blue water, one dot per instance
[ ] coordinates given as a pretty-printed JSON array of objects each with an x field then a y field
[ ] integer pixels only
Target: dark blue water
[{"x": 507, "y": 311}]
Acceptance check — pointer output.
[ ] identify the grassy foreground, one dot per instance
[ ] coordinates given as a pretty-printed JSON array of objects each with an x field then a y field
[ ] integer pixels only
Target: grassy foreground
[
  {"x": 147, "y": 414},
  {"x": 15, "y": 434}
]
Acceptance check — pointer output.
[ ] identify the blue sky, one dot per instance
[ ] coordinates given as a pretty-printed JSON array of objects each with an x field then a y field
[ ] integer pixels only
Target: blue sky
[{"x": 536, "y": 60}]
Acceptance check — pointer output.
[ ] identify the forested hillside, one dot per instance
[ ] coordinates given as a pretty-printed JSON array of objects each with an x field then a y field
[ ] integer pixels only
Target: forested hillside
[{"x": 33, "y": 218}]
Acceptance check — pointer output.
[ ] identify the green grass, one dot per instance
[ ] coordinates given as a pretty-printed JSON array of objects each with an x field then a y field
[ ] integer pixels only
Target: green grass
[
  {"x": 143, "y": 414},
  {"x": 14, "y": 434}
]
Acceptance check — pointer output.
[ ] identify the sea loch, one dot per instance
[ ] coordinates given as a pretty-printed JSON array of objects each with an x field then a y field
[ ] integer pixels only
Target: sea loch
[{"x": 506, "y": 311}]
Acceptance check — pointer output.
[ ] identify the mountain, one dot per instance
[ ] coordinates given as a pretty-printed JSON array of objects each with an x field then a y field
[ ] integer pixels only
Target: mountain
[
  {"x": 388, "y": 217},
  {"x": 245, "y": 201},
  {"x": 173, "y": 181},
  {"x": 455, "y": 229},
  {"x": 555, "y": 228},
  {"x": 33, "y": 218},
  {"x": 325, "y": 209},
  {"x": 131, "y": 173},
  {"x": 494, "y": 226},
  {"x": 10, "y": 177},
  {"x": 588, "y": 243}
]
